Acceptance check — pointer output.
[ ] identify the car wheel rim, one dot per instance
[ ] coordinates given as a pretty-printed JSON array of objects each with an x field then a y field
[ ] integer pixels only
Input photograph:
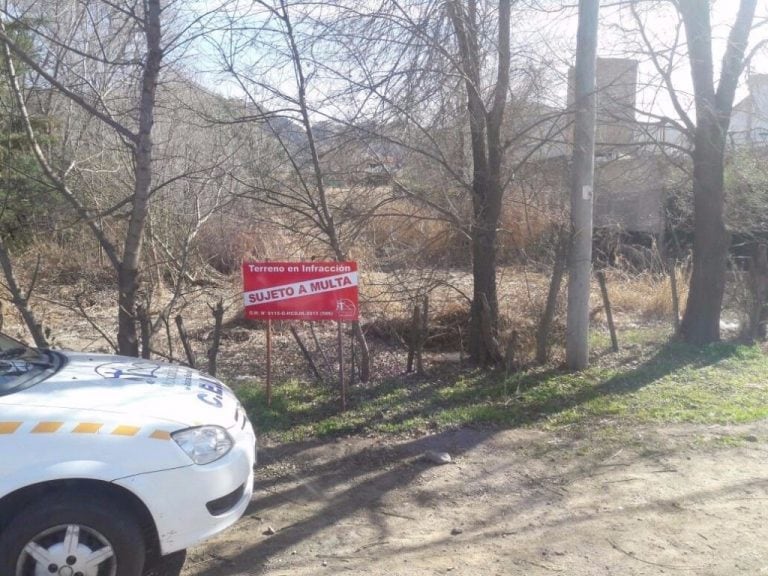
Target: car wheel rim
[{"x": 67, "y": 550}]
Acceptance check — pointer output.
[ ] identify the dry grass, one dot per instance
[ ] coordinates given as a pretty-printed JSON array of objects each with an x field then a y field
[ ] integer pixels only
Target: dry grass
[
  {"x": 389, "y": 299},
  {"x": 407, "y": 234},
  {"x": 50, "y": 262},
  {"x": 645, "y": 296},
  {"x": 224, "y": 244},
  {"x": 402, "y": 257}
]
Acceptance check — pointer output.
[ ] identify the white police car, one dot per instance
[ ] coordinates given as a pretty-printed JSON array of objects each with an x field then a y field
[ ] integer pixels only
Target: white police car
[{"x": 113, "y": 466}]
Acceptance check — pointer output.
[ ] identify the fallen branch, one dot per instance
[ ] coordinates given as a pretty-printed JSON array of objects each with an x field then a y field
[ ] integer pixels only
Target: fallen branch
[
  {"x": 306, "y": 354},
  {"x": 649, "y": 562}
]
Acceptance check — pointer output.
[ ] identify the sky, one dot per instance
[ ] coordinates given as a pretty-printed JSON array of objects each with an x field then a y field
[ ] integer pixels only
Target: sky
[
  {"x": 615, "y": 40},
  {"x": 552, "y": 33}
]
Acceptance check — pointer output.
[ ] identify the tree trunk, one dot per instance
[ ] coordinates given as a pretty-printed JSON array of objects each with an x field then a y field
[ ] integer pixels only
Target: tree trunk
[
  {"x": 128, "y": 274},
  {"x": 714, "y": 105},
  {"x": 701, "y": 321},
  {"x": 127, "y": 336},
  {"x": 20, "y": 301},
  {"x": 487, "y": 159},
  {"x": 545, "y": 324},
  {"x": 484, "y": 279}
]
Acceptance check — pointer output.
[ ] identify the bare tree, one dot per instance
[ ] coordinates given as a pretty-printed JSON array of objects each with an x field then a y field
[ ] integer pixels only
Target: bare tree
[
  {"x": 104, "y": 59},
  {"x": 304, "y": 197},
  {"x": 20, "y": 210},
  {"x": 20, "y": 297},
  {"x": 138, "y": 138},
  {"x": 703, "y": 137},
  {"x": 432, "y": 81},
  {"x": 714, "y": 104},
  {"x": 485, "y": 123}
]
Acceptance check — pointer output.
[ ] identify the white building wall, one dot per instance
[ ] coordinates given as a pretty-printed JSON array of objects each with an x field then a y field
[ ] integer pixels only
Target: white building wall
[{"x": 749, "y": 121}]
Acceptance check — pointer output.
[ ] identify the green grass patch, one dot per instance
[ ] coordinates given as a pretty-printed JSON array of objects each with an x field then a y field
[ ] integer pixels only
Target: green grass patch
[{"x": 647, "y": 382}]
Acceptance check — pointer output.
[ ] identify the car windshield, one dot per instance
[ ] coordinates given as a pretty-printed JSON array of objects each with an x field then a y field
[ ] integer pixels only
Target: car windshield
[{"x": 21, "y": 365}]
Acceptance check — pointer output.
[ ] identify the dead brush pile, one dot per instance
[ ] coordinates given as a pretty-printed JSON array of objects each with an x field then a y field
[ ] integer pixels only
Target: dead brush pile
[
  {"x": 389, "y": 300},
  {"x": 57, "y": 265},
  {"x": 408, "y": 234},
  {"x": 635, "y": 298},
  {"x": 403, "y": 257}
]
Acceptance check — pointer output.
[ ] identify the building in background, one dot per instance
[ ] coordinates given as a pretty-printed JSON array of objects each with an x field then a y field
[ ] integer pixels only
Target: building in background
[{"x": 749, "y": 122}]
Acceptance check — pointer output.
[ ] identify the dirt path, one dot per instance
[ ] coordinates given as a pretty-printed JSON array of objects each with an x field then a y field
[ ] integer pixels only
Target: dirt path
[{"x": 675, "y": 500}]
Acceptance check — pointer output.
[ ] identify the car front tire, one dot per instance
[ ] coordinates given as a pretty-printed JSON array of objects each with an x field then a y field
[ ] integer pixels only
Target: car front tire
[{"x": 72, "y": 534}]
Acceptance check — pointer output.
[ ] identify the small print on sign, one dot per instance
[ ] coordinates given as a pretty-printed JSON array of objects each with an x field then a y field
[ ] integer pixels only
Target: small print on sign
[{"x": 586, "y": 192}]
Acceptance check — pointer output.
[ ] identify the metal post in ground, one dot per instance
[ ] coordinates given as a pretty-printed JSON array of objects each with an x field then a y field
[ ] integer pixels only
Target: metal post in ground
[{"x": 269, "y": 362}]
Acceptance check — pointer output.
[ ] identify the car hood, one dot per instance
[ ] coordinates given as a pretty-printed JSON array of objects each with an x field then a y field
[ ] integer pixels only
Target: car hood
[{"x": 132, "y": 386}]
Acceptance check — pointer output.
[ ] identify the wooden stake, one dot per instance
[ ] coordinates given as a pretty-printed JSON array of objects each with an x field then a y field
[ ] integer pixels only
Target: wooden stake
[
  {"x": 422, "y": 336},
  {"x": 608, "y": 313},
  {"x": 145, "y": 330},
  {"x": 342, "y": 383},
  {"x": 269, "y": 362},
  {"x": 185, "y": 341},
  {"x": 213, "y": 351},
  {"x": 671, "y": 270},
  {"x": 413, "y": 341}
]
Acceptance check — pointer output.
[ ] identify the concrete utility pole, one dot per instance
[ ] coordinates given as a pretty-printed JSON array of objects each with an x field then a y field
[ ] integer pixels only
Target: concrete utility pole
[{"x": 582, "y": 186}]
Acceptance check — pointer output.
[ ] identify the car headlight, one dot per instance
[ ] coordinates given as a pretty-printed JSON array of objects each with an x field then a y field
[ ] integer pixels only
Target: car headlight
[{"x": 204, "y": 444}]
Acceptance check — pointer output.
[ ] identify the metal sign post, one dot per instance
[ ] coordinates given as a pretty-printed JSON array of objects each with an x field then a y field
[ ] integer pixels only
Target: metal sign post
[
  {"x": 342, "y": 382},
  {"x": 269, "y": 363}
]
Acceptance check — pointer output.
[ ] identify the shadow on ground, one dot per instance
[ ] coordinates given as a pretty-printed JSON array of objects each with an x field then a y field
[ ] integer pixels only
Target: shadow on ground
[{"x": 361, "y": 475}]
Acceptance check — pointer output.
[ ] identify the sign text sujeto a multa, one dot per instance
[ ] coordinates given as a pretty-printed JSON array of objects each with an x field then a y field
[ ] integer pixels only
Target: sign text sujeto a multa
[{"x": 297, "y": 289}]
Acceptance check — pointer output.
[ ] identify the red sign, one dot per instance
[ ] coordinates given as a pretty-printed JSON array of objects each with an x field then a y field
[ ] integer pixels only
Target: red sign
[{"x": 300, "y": 291}]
